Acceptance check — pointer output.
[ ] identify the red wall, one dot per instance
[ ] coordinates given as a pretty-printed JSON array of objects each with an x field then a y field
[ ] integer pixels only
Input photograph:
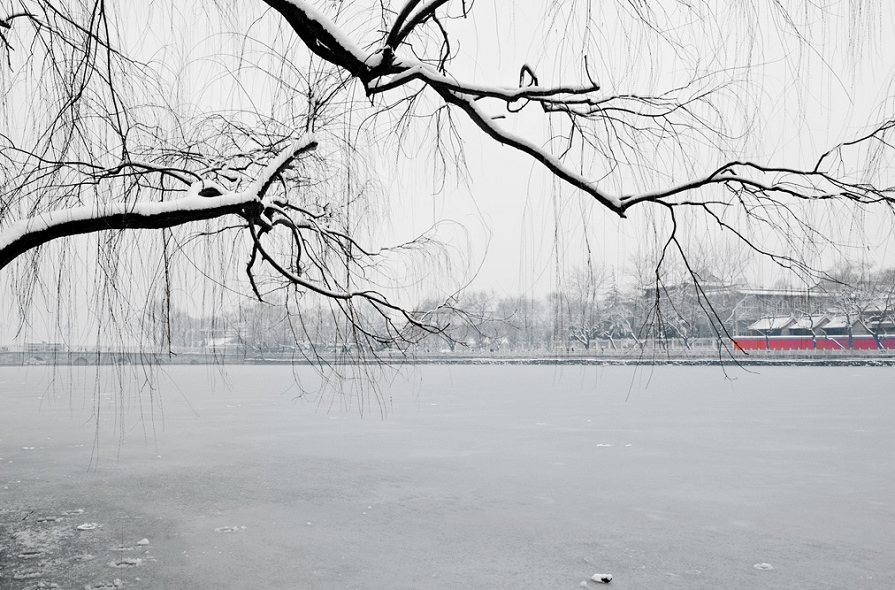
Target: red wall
[{"x": 804, "y": 343}]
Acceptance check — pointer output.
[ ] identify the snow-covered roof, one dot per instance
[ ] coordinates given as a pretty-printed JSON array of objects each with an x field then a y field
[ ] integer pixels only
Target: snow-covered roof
[
  {"x": 773, "y": 323},
  {"x": 838, "y": 321},
  {"x": 807, "y": 322}
]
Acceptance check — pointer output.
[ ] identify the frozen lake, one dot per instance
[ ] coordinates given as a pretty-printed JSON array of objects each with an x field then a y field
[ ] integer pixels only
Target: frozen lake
[{"x": 476, "y": 477}]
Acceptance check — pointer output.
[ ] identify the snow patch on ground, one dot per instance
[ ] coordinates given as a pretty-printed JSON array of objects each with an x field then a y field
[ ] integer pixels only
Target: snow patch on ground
[
  {"x": 88, "y": 526},
  {"x": 127, "y": 562}
]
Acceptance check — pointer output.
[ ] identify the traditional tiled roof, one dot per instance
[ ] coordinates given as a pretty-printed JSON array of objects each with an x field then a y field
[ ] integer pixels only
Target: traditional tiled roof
[
  {"x": 835, "y": 322},
  {"x": 767, "y": 324}
]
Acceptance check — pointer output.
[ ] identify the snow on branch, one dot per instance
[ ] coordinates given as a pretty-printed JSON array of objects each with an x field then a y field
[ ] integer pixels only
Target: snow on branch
[
  {"x": 204, "y": 200},
  {"x": 404, "y": 23},
  {"x": 321, "y": 35},
  {"x": 486, "y": 124},
  {"x": 738, "y": 175},
  {"x": 40, "y": 229},
  {"x": 545, "y": 94}
]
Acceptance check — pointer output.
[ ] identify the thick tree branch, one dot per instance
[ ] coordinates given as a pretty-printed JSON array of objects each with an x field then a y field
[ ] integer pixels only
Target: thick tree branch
[
  {"x": 322, "y": 36},
  {"x": 40, "y": 229},
  {"x": 204, "y": 200},
  {"x": 403, "y": 27}
]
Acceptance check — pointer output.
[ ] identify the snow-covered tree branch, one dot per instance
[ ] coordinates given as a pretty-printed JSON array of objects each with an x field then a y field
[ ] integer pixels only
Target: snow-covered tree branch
[{"x": 203, "y": 200}]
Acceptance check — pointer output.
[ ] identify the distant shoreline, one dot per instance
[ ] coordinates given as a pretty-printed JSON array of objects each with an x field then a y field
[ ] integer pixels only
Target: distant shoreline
[
  {"x": 683, "y": 362},
  {"x": 664, "y": 358}
]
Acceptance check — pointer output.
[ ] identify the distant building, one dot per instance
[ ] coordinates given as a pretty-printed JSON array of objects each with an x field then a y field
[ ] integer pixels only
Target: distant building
[{"x": 44, "y": 348}]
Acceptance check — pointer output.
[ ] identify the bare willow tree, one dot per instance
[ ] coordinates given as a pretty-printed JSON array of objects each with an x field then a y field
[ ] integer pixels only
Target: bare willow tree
[
  {"x": 581, "y": 305},
  {"x": 101, "y": 140}
]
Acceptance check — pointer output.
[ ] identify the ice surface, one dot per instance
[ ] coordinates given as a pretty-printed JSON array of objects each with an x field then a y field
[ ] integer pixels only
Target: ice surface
[{"x": 719, "y": 471}]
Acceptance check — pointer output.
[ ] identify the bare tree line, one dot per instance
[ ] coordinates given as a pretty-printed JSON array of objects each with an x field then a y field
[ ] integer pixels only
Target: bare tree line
[{"x": 596, "y": 311}]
